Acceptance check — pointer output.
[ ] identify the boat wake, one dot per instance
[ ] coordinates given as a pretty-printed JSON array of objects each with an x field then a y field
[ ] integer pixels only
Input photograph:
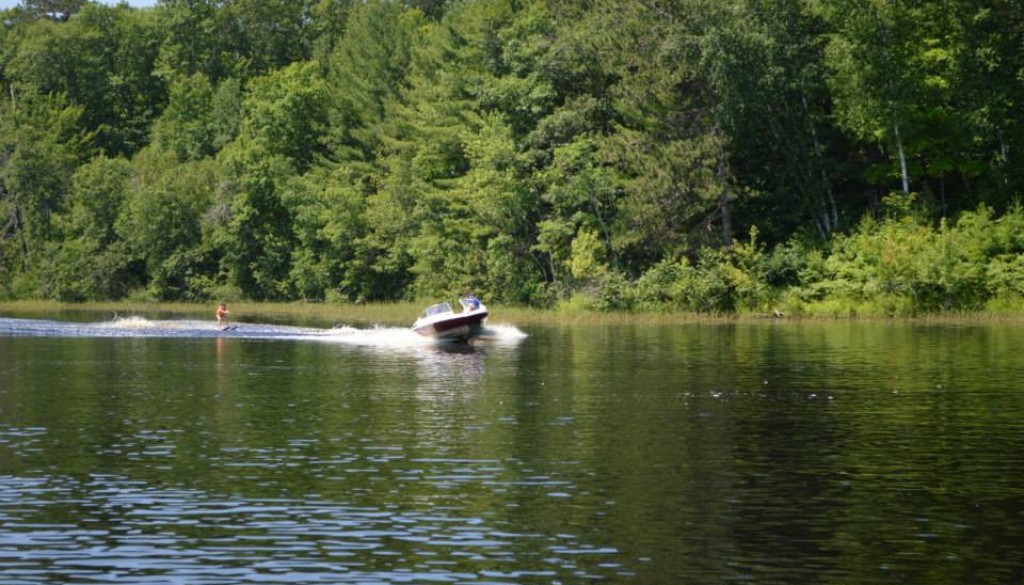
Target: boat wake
[{"x": 140, "y": 327}]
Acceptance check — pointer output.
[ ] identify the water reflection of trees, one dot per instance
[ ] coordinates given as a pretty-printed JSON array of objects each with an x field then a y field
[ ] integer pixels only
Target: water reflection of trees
[
  {"x": 808, "y": 448},
  {"x": 716, "y": 452}
]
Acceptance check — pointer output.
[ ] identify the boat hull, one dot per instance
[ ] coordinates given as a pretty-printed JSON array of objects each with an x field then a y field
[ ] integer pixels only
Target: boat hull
[{"x": 456, "y": 326}]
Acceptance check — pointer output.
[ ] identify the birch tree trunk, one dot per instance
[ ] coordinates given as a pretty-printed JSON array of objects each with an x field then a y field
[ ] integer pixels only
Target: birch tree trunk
[{"x": 903, "y": 157}]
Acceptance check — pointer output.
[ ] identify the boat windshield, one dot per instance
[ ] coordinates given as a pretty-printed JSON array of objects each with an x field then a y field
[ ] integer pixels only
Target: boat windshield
[{"x": 438, "y": 309}]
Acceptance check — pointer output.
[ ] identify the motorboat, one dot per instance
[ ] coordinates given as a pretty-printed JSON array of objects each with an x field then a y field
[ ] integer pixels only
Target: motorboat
[{"x": 442, "y": 322}]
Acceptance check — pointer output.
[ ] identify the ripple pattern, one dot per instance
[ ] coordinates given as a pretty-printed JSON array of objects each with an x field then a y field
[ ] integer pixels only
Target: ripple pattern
[{"x": 109, "y": 529}]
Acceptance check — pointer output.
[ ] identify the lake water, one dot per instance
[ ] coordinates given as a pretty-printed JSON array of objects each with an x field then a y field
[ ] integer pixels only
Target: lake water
[{"x": 159, "y": 450}]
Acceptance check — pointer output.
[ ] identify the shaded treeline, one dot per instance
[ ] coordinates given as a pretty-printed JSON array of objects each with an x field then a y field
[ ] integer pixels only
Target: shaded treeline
[{"x": 709, "y": 155}]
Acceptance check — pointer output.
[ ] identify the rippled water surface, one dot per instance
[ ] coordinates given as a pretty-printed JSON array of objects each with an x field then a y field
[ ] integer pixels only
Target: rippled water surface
[{"x": 164, "y": 451}]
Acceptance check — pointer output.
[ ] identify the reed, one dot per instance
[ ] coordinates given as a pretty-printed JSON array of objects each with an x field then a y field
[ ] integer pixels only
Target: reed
[
  {"x": 404, "y": 313},
  {"x": 323, "y": 313},
  {"x": 391, "y": 313}
]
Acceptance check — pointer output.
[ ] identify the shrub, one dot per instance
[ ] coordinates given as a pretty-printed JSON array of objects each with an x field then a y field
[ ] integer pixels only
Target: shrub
[
  {"x": 659, "y": 287},
  {"x": 902, "y": 266}
]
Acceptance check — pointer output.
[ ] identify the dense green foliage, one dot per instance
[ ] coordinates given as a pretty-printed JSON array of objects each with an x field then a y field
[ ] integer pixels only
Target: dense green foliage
[{"x": 812, "y": 156}]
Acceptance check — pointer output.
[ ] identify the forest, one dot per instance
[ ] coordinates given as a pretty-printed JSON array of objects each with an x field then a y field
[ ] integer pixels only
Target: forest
[{"x": 815, "y": 157}]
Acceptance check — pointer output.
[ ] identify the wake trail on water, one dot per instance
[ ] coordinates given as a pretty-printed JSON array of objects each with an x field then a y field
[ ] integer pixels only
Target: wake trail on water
[{"x": 134, "y": 326}]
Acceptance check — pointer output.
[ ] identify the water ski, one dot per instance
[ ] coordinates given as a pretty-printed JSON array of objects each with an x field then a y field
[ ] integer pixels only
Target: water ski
[{"x": 230, "y": 328}]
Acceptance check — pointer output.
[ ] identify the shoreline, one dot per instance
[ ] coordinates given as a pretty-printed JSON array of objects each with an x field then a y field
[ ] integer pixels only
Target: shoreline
[{"x": 405, "y": 312}]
